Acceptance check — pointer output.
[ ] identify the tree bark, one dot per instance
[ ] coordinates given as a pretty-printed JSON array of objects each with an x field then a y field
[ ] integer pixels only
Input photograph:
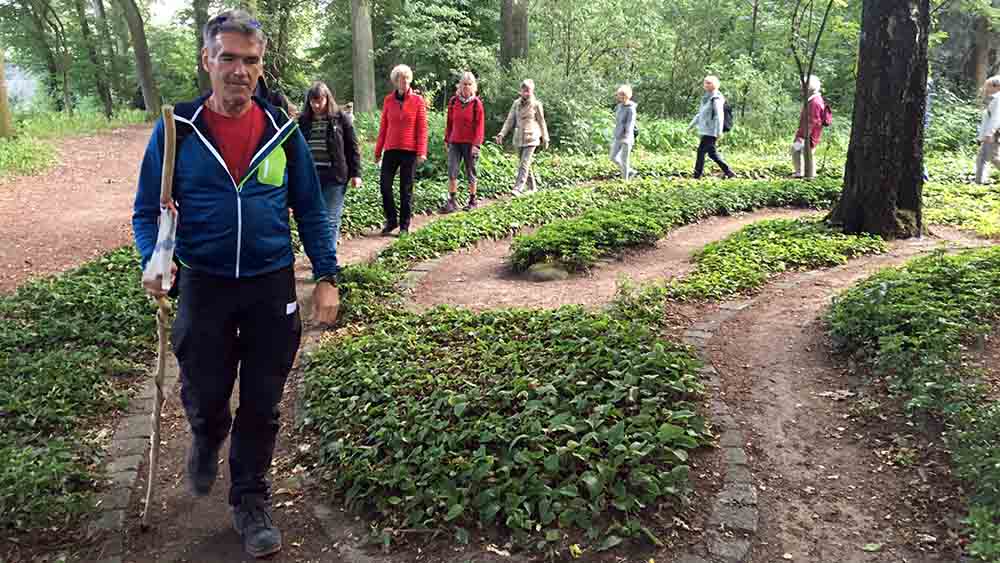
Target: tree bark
[
  {"x": 514, "y": 26},
  {"x": 143, "y": 64},
  {"x": 116, "y": 74},
  {"x": 51, "y": 66},
  {"x": 200, "y": 19},
  {"x": 363, "y": 66},
  {"x": 6, "y": 128},
  {"x": 883, "y": 177},
  {"x": 103, "y": 91},
  {"x": 981, "y": 54}
]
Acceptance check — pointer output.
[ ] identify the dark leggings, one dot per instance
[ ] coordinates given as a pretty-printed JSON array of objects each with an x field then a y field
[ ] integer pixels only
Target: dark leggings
[
  {"x": 707, "y": 146},
  {"x": 406, "y": 163}
]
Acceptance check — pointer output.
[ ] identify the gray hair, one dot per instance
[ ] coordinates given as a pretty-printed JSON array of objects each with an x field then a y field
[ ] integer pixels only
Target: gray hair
[
  {"x": 233, "y": 21},
  {"x": 467, "y": 76},
  {"x": 992, "y": 82},
  {"x": 398, "y": 70},
  {"x": 813, "y": 84},
  {"x": 528, "y": 83},
  {"x": 714, "y": 80},
  {"x": 625, "y": 89}
]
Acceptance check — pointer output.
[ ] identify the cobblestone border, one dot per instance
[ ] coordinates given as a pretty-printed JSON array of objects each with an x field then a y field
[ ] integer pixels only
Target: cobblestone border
[{"x": 129, "y": 448}]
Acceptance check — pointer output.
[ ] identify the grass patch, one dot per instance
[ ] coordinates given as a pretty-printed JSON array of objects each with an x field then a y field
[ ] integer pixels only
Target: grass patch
[
  {"x": 912, "y": 323},
  {"x": 52, "y": 125},
  {"x": 579, "y": 242},
  {"x": 535, "y": 421},
  {"x": 744, "y": 261},
  {"x": 25, "y": 156},
  {"x": 68, "y": 343},
  {"x": 972, "y": 207}
]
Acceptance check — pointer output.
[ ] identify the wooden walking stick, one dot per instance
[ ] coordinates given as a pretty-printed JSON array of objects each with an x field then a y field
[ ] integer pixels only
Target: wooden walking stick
[{"x": 163, "y": 307}]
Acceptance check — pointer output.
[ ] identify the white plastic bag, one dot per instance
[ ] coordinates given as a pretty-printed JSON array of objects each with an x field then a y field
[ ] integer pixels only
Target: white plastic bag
[
  {"x": 163, "y": 254},
  {"x": 798, "y": 144}
]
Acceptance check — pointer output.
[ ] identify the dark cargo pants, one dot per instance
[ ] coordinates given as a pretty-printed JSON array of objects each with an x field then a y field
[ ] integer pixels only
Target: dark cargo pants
[{"x": 227, "y": 327}]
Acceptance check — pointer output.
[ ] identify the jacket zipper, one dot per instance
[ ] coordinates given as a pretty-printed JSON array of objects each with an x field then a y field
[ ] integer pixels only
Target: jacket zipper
[{"x": 239, "y": 186}]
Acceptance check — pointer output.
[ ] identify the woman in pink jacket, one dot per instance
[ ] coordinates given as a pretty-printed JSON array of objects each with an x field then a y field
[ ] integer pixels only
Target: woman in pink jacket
[{"x": 816, "y": 113}]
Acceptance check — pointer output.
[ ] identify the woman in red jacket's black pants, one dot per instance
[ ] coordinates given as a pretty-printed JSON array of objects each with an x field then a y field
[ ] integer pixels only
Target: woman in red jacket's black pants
[{"x": 402, "y": 134}]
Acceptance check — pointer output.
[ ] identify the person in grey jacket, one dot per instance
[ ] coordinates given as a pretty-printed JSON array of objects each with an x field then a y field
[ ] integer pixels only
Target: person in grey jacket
[
  {"x": 709, "y": 121},
  {"x": 624, "y": 135},
  {"x": 989, "y": 128},
  {"x": 527, "y": 119}
]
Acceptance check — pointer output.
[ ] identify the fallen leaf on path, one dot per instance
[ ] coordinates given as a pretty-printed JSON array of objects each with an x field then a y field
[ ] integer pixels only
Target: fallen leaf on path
[{"x": 872, "y": 547}]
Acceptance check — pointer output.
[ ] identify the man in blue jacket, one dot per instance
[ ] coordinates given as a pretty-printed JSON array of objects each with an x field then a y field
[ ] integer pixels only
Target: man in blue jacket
[{"x": 241, "y": 163}]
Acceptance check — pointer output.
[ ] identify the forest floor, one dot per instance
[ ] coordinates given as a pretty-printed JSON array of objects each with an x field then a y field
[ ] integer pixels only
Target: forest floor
[{"x": 834, "y": 472}]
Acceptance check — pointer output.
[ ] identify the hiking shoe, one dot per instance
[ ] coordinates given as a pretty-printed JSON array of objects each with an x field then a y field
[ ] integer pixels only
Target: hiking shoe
[
  {"x": 252, "y": 521},
  {"x": 388, "y": 229},
  {"x": 451, "y": 206},
  {"x": 472, "y": 203},
  {"x": 202, "y": 467}
]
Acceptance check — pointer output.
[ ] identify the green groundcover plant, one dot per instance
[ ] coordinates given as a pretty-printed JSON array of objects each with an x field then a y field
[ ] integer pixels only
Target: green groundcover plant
[
  {"x": 577, "y": 243},
  {"x": 911, "y": 323},
  {"x": 69, "y": 347},
  {"x": 535, "y": 421},
  {"x": 745, "y": 260}
]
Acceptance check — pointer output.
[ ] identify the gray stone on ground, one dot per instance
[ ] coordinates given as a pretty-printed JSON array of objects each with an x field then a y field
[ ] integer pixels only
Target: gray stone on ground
[{"x": 545, "y": 271}]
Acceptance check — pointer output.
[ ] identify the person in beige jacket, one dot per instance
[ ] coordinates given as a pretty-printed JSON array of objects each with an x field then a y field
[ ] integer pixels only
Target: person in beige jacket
[{"x": 527, "y": 118}]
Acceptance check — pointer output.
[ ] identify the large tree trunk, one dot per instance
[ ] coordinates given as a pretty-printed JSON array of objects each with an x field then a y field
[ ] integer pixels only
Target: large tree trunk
[
  {"x": 143, "y": 64},
  {"x": 99, "y": 76},
  {"x": 200, "y": 19},
  {"x": 363, "y": 67},
  {"x": 514, "y": 24},
  {"x": 6, "y": 128},
  {"x": 883, "y": 178}
]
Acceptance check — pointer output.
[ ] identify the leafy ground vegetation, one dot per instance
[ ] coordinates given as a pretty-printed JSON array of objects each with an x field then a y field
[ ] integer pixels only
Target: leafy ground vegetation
[
  {"x": 539, "y": 421},
  {"x": 913, "y": 325},
  {"x": 69, "y": 348}
]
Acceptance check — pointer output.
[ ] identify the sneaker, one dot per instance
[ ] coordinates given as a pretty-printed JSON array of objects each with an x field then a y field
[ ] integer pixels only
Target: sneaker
[
  {"x": 472, "y": 203},
  {"x": 252, "y": 521},
  {"x": 202, "y": 468},
  {"x": 388, "y": 229},
  {"x": 450, "y": 206}
]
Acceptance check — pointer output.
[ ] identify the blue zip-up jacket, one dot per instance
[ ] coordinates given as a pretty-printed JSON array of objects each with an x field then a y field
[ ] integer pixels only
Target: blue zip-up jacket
[{"x": 236, "y": 228}]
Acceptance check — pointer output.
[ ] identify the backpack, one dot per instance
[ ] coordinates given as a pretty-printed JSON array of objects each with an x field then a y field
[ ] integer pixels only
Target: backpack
[
  {"x": 827, "y": 115},
  {"x": 727, "y": 118}
]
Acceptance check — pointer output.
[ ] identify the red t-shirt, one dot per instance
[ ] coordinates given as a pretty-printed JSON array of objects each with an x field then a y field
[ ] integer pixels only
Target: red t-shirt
[{"x": 237, "y": 137}]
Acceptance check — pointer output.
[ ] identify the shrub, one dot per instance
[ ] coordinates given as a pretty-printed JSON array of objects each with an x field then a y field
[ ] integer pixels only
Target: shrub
[{"x": 534, "y": 420}]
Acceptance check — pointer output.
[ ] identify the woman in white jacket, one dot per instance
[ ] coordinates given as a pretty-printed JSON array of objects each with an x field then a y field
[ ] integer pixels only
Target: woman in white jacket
[{"x": 989, "y": 152}]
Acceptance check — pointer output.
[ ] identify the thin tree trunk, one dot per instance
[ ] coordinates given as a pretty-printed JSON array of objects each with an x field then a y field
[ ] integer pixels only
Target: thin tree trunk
[
  {"x": 116, "y": 78},
  {"x": 514, "y": 26},
  {"x": 51, "y": 66},
  {"x": 200, "y": 19},
  {"x": 6, "y": 128},
  {"x": 99, "y": 75},
  {"x": 363, "y": 65},
  {"x": 143, "y": 64},
  {"x": 883, "y": 178},
  {"x": 981, "y": 56}
]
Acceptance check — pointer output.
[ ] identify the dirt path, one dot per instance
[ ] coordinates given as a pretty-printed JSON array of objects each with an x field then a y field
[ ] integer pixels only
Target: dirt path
[
  {"x": 827, "y": 481},
  {"x": 480, "y": 278},
  {"x": 74, "y": 212}
]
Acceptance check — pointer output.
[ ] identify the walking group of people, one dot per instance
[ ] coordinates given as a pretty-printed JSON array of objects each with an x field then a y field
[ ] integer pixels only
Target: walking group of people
[{"x": 240, "y": 168}]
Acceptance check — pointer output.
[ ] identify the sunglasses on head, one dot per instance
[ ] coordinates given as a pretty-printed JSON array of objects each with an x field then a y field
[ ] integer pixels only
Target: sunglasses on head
[{"x": 219, "y": 20}]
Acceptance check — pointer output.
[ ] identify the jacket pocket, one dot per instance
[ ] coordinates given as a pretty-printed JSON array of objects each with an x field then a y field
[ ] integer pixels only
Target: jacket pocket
[{"x": 272, "y": 170}]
